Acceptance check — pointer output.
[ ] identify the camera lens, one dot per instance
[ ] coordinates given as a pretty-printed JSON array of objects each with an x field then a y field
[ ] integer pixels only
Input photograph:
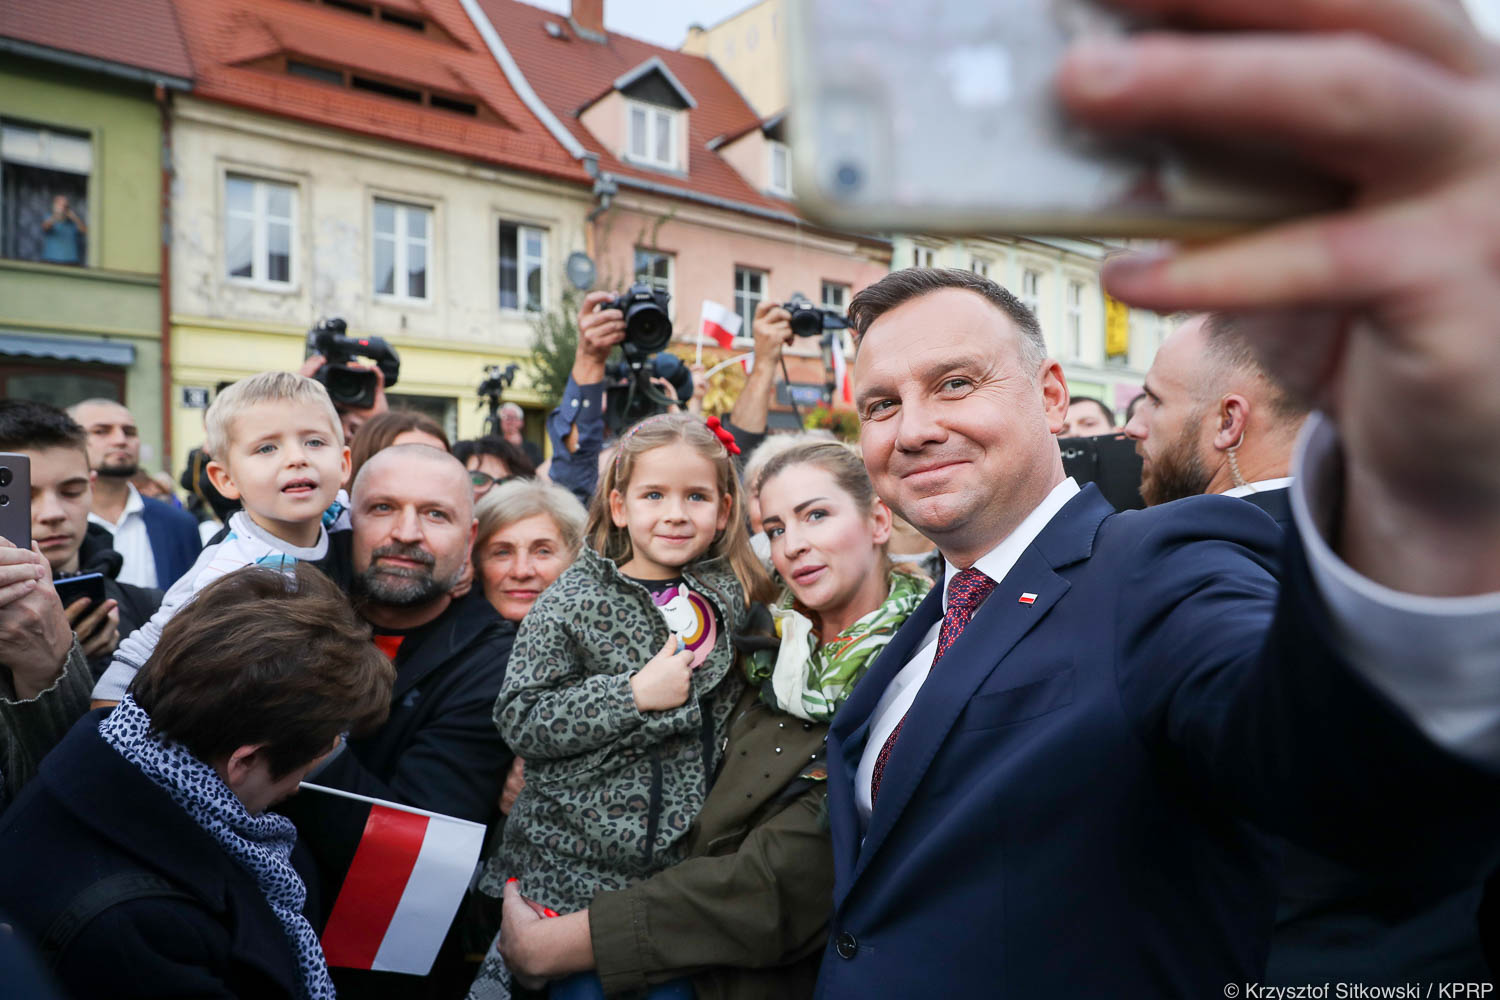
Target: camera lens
[
  {"x": 4, "y": 500},
  {"x": 5, "y": 476},
  {"x": 807, "y": 322},
  {"x": 647, "y": 327},
  {"x": 847, "y": 177}
]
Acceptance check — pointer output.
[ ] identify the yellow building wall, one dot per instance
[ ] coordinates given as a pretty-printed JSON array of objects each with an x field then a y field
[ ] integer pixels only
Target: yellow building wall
[{"x": 750, "y": 48}]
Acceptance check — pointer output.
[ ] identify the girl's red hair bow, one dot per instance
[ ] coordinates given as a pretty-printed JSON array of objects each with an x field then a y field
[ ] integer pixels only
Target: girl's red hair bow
[{"x": 722, "y": 433}]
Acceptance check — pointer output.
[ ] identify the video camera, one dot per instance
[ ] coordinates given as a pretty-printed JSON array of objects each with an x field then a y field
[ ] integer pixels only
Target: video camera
[
  {"x": 630, "y": 396},
  {"x": 648, "y": 328},
  {"x": 347, "y": 385},
  {"x": 492, "y": 391},
  {"x": 810, "y": 321}
]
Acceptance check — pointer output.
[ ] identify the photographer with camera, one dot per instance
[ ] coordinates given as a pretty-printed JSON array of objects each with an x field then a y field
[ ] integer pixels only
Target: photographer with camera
[{"x": 357, "y": 390}]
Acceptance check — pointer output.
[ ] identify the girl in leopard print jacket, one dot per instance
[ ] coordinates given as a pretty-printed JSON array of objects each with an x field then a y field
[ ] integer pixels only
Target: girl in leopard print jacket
[{"x": 622, "y": 679}]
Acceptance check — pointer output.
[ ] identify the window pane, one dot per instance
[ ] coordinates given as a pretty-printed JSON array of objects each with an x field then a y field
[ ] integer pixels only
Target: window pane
[
  {"x": 278, "y": 252},
  {"x": 279, "y": 201},
  {"x": 416, "y": 270},
  {"x": 385, "y": 218},
  {"x": 508, "y": 272},
  {"x": 664, "y": 138},
  {"x": 385, "y": 267},
  {"x": 533, "y": 243},
  {"x": 778, "y": 167},
  {"x": 534, "y": 286},
  {"x": 239, "y": 243},
  {"x": 637, "y": 132},
  {"x": 239, "y": 195},
  {"x": 416, "y": 223}
]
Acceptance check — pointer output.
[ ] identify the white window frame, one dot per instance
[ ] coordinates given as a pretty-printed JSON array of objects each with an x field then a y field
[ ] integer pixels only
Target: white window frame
[
  {"x": 655, "y": 115},
  {"x": 773, "y": 148},
  {"x": 1073, "y": 317},
  {"x": 923, "y": 256},
  {"x": 522, "y": 229},
  {"x": 402, "y": 240},
  {"x": 844, "y": 289},
  {"x": 1031, "y": 289},
  {"x": 980, "y": 266},
  {"x": 260, "y": 219},
  {"x": 747, "y": 316},
  {"x": 671, "y": 279}
]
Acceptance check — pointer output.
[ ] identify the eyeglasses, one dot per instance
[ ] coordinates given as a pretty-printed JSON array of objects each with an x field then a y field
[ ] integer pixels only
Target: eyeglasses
[{"x": 483, "y": 481}]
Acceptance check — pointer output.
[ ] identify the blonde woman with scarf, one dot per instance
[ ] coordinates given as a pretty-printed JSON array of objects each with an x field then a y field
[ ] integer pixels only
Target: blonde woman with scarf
[{"x": 746, "y": 915}]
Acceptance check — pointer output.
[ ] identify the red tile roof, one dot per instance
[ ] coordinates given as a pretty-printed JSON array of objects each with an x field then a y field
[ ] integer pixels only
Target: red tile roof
[
  {"x": 227, "y": 37},
  {"x": 141, "y": 34},
  {"x": 569, "y": 73}
]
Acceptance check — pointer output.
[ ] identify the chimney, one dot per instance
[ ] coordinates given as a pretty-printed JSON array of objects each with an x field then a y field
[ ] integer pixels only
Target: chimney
[{"x": 588, "y": 17}]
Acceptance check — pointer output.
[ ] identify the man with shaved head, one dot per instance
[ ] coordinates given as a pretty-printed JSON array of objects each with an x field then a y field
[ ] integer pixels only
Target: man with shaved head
[
  {"x": 413, "y": 525},
  {"x": 1213, "y": 421}
]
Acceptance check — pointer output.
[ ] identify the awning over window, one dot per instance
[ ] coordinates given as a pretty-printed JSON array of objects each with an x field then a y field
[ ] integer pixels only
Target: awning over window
[{"x": 37, "y": 345}]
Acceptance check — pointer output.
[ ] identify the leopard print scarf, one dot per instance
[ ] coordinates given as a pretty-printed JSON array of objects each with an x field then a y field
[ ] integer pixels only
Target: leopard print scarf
[{"x": 262, "y": 845}]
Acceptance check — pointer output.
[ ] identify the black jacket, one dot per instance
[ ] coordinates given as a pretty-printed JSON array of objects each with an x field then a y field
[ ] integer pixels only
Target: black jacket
[
  {"x": 439, "y": 750},
  {"x": 90, "y": 815},
  {"x": 137, "y": 604}
]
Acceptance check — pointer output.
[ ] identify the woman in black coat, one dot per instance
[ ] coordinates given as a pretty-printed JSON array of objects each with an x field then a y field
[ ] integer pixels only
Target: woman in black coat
[{"x": 144, "y": 858}]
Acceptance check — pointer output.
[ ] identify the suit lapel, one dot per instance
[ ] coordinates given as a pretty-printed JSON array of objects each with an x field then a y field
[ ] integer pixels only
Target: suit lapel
[
  {"x": 998, "y": 625},
  {"x": 851, "y": 727}
]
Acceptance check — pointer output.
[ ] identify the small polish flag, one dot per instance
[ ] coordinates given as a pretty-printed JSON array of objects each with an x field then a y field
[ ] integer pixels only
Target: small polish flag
[
  {"x": 1028, "y": 598},
  {"x": 841, "y": 369},
  {"x": 395, "y": 876},
  {"x": 720, "y": 324}
]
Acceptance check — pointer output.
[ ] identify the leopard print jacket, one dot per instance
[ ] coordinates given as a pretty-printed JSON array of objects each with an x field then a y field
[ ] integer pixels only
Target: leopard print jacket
[{"x": 610, "y": 791}]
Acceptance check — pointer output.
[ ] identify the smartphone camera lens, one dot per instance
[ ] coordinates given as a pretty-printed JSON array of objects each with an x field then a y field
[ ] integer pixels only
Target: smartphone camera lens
[
  {"x": 4, "y": 500},
  {"x": 847, "y": 176},
  {"x": 5, "y": 475}
]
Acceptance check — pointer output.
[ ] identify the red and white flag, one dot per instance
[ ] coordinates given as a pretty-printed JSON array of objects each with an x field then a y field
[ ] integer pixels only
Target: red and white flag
[
  {"x": 841, "y": 368},
  {"x": 719, "y": 324},
  {"x": 405, "y": 877}
]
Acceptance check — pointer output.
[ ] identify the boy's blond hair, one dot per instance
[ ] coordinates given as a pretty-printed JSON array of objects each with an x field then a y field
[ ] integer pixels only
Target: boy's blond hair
[{"x": 267, "y": 387}]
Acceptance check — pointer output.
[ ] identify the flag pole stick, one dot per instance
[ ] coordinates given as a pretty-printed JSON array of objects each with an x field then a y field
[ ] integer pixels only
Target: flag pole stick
[
  {"x": 699, "y": 359},
  {"x": 726, "y": 363}
]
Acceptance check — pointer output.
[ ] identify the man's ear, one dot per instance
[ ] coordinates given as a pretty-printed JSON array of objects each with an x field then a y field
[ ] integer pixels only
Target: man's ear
[
  {"x": 223, "y": 482},
  {"x": 1234, "y": 418},
  {"x": 1054, "y": 385},
  {"x": 880, "y": 515}
]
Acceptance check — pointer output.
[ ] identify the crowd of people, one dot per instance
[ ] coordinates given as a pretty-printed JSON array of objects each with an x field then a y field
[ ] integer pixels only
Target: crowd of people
[{"x": 754, "y": 716}]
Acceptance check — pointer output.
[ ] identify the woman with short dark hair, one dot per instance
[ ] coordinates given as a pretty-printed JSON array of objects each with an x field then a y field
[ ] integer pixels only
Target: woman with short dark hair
[{"x": 144, "y": 857}]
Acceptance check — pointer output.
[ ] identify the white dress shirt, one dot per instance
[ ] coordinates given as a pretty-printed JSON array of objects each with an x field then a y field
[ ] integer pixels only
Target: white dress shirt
[
  {"x": 1434, "y": 657},
  {"x": 138, "y": 564},
  {"x": 902, "y": 691},
  {"x": 1260, "y": 486}
]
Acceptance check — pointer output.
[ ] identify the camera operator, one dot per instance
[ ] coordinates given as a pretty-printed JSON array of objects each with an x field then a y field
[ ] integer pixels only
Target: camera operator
[
  {"x": 773, "y": 332},
  {"x": 352, "y": 417}
]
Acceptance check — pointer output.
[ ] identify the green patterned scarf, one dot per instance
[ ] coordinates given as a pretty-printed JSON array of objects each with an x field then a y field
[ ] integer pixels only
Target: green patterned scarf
[{"x": 811, "y": 681}]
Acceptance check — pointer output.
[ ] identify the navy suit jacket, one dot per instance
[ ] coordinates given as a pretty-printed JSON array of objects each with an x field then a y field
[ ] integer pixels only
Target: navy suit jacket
[
  {"x": 175, "y": 542},
  {"x": 1065, "y": 812}
]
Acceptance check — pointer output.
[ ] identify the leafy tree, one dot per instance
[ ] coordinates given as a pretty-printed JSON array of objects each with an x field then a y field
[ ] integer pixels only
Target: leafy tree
[{"x": 553, "y": 344}]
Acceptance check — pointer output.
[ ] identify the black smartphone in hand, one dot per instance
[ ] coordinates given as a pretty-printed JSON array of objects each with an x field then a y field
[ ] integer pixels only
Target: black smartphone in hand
[
  {"x": 15, "y": 499},
  {"x": 90, "y": 585}
]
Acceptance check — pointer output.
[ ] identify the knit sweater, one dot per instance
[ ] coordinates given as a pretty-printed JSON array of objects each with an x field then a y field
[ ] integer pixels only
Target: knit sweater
[{"x": 30, "y": 727}]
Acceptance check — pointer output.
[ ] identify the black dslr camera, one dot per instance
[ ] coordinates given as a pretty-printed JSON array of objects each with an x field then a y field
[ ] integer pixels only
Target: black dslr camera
[
  {"x": 810, "y": 321},
  {"x": 648, "y": 329},
  {"x": 349, "y": 386}
]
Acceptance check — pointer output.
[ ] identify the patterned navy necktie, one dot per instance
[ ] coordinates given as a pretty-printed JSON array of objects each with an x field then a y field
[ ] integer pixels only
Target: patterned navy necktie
[{"x": 965, "y": 594}]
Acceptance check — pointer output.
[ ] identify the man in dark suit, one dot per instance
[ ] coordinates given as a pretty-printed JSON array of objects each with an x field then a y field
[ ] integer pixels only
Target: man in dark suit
[
  {"x": 1044, "y": 786},
  {"x": 1213, "y": 421},
  {"x": 156, "y": 541}
]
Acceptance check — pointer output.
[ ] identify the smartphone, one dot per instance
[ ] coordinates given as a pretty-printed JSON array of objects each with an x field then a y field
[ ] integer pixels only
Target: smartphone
[
  {"x": 15, "y": 499},
  {"x": 90, "y": 585},
  {"x": 942, "y": 117}
]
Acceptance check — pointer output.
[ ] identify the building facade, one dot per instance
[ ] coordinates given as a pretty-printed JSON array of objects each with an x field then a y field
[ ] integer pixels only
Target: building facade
[
  {"x": 351, "y": 165},
  {"x": 81, "y": 206}
]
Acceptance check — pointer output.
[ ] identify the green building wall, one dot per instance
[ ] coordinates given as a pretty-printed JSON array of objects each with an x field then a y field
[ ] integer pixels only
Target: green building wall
[{"x": 117, "y": 296}]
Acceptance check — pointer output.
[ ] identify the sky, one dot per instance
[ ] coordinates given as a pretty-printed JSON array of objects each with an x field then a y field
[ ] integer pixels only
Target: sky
[{"x": 665, "y": 22}]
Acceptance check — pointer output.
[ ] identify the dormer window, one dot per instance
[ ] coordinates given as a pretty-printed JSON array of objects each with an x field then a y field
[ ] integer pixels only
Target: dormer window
[
  {"x": 652, "y": 136},
  {"x": 779, "y": 170}
]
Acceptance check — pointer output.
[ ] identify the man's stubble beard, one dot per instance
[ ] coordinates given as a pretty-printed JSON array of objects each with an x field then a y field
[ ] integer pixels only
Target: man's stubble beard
[{"x": 1178, "y": 472}]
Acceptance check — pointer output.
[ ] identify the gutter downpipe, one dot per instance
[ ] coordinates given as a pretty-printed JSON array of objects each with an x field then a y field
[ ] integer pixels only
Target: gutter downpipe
[{"x": 164, "y": 103}]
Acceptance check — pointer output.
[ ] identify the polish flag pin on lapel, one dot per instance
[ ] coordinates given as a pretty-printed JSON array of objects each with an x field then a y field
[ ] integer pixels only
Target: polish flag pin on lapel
[{"x": 1028, "y": 598}]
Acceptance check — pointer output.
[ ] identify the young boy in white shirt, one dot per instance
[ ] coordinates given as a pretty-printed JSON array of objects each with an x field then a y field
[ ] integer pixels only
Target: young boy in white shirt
[{"x": 278, "y": 448}]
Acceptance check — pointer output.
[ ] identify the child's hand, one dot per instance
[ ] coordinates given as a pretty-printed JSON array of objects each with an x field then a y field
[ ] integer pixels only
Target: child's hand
[{"x": 665, "y": 680}]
